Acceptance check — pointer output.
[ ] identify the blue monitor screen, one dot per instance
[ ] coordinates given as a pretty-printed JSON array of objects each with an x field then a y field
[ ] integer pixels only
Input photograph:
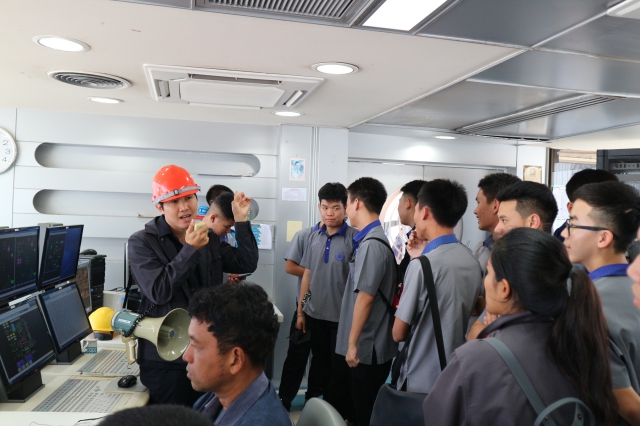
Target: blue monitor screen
[
  {"x": 60, "y": 254},
  {"x": 65, "y": 314},
  {"x": 18, "y": 261}
]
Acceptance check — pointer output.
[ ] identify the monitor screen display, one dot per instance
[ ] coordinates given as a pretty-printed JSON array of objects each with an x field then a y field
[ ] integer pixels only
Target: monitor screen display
[
  {"x": 24, "y": 342},
  {"x": 18, "y": 261},
  {"x": 60, "y": 254},
  {"x": 65, "y": 315},
  {"x": 82, "y": 281}
]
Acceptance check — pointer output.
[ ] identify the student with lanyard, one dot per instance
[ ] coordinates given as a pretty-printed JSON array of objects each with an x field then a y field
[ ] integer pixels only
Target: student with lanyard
[
  {"x": 457, "y": 277},
  {"x": 487, "y": 212},
  {"x": 406, "y": 209},
  {"x": 326, "y": 263},
  {"x": 521, "y": 205},
  {"x": 558, "y": 336},
  {"x": 171, "y": 260},
  {"x": 364, "y": 345},
  {"x": 604, "y": 219},
  {"x": 295, "y": 364}
]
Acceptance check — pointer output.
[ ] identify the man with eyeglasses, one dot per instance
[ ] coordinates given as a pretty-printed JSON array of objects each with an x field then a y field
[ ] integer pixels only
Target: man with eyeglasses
[{"x": 603, "y": 222}]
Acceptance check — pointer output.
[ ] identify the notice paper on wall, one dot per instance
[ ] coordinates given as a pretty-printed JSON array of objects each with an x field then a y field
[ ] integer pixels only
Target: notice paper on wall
[
  {"x": 264, "y": 236},
  {"x": 294, "y": 194},
  {"x": 293, "y": 226}
]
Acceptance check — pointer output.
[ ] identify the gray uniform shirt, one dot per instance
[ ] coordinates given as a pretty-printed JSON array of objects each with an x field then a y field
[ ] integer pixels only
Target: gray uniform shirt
[
  {"x": 482, "y": 252},
  {"x": 297, "y": 247},
  {"x": 328, "y": 259},
  {"x": 457, "y": 277},
  {"x": 372, "y": 267},
  {"x": 623, "y": 319}
]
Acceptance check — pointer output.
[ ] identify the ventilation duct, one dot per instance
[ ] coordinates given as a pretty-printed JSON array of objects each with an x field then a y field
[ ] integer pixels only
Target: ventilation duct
[
  {"x": 228, "y": 89},
  {"x": 89, "y": 80}
]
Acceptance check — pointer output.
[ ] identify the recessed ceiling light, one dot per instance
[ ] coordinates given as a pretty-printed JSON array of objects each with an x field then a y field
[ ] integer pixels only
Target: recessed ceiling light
[
  {"x": 335, "y": 68},
  {"x": 402, "y": 14},
  {"x": 288, "y": 113},
  {"x": 446, "y": 137},
  {"x": 62, "y": 43},
  {"x": 105, "y": 100}
]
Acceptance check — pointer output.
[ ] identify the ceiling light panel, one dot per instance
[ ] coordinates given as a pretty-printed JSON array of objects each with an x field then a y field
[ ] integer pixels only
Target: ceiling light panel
[
  {"x": 335, "y": 68},
  {"x": 402, "y": 15},
  {"x": 62, "y": 43},
  {"x": 105, "y": 100},
  {"x": 288, "y": 113}
]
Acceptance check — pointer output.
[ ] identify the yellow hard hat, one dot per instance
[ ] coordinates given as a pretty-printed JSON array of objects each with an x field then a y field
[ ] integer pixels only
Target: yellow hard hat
[{"x": 100, "y": 320}]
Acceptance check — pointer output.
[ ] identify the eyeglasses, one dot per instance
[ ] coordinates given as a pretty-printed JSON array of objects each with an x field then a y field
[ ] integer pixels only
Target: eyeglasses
[{"x": 588, "y": 228}]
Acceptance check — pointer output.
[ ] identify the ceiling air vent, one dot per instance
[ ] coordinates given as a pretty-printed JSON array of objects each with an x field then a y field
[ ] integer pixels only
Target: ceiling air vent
[
  {"x": 228, "y": 89},
  {"x": 317, "y": 8},
  {"x": 89, "y": 80}
]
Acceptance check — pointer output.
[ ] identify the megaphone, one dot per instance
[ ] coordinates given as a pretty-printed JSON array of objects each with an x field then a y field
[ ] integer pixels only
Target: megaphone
[{"x": 169, "y": 333}]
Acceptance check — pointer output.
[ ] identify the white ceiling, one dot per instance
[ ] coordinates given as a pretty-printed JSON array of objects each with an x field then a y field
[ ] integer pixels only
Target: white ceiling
[
  {"x": 620, "y": 138},
  {"x": 394, "y": 69}
]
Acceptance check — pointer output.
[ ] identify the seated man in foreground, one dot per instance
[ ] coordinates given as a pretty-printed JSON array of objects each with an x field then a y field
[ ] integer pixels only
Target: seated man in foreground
[{"x": 233, "y": 329}]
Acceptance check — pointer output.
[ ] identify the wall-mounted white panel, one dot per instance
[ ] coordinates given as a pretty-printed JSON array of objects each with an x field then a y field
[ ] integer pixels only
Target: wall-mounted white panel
[
  {"x": 116, "y": 159},
  {"x": 333, "y": 156},
  {"x": 23, "y": 201},
  {"x": 267, "y": 212},
  {"x": 7, "y": 122},
  {"x": 266, "y": 257},
  {"x": 263, "y": 275},
  {"x": 27, "y": 153},
  {"x": 533, "y": 156},
  {"x": 136, "y": 132},
  {"x": 113, "y": 248},
  {"x": 414, "y": 150},
  {"x": 94, "y": 226},
  {"x": 113, "y": 274},
  {"x": 392, "y": 176},
  {"x": 268, "y": 166}
]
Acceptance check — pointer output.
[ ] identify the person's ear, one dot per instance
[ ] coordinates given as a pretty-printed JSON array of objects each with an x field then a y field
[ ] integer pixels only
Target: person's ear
[
  {"x": 569, "y": 206},
  {"x": 535, "y": 222},
  {"x": 160, "y": 208},
  {"x": 606, "y": 239},
  {"x": 212, "y": 218},
  {"x": 504, "y": 290},
  {"x": 237, "y": 359},
  {"x": 425, "y": 212},
  {"x": 495, "y": 205}
]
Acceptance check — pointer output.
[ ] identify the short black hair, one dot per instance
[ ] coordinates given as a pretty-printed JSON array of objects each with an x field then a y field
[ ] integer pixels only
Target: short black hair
[
  {"x": 215, "y": 191},
  {"x": 238, "y": 315},
  {"x": 370, "y": 191},
  {"x": 447, "y": 200},
  {"x": 156, "y": 415},
  {"x": 223, "y": 204},
  {"x": 532, "y": 198},
  {"x": 333, "y": 191},
  {"x": 616, "y": 206},
  {"x": 587, "y": 176},
  {"x": 412, "y": 189},
  {"x": 494, "y": 183}
]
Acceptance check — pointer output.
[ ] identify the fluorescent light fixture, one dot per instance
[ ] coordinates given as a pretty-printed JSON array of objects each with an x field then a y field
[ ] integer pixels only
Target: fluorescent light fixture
[
  {"x": 402, "y": 14},
  {"x": 446, "y": 137},
  {"x": 288, "y": 113},
  {"x": 105, "y": 100},
  {"x": 335, "y": 68},
  {"x": 62, "y": 43}
]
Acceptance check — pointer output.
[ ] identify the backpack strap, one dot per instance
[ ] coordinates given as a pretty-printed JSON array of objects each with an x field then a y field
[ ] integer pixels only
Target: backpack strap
[
  {"x": 427, "y": 272},
  {"x": 390, "y": 309}
]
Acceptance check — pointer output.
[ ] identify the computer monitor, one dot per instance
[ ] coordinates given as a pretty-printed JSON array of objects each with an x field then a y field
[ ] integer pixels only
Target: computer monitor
[
  {"x": 82, "y": 281},
  {"x": 25, "y": 347},
  {"x": 60, "y": 254},
  {"x": 18, "y": 262},
  {"x": 66, "y": 320}
]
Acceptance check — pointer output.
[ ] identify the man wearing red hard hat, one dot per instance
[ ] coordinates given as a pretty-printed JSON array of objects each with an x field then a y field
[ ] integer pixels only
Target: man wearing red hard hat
[{"x": 171, "y": 260}]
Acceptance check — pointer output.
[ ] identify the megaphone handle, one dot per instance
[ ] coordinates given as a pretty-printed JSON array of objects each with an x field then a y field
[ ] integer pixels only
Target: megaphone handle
[{"x": 130, "y": 344}]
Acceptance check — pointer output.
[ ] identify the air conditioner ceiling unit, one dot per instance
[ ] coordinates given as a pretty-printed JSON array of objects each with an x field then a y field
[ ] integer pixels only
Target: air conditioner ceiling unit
[{"x": 231, "y": 89}]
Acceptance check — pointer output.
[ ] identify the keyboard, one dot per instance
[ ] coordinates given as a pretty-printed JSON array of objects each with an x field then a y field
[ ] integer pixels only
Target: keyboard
[
  {"x": 110, "y": 363},
  {"x": 78, "y": 395}
]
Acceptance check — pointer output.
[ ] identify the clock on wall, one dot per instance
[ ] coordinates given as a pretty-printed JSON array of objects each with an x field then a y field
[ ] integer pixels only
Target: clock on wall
[{"x": 8, "y": 150}]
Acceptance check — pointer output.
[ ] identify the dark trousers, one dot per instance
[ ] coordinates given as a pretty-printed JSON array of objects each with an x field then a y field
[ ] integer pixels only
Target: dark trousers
[
  {"x": 353, "y": 391},
  {"x": 168, "y": 386},
  {"x": 323, "y": 346},
  {"x": 293, "y": 370}
]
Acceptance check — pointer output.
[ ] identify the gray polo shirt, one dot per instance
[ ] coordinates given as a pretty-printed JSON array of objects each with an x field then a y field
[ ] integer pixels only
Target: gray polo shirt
[
  {"x": 458, "y": 278},
  {"x": 297, "y": 247},
  {"x": 623, "y": 319},
  {"x": 482, "y": 252},
  {"x": 327, "y": 256},
  {"x": 372, "y": 267}
]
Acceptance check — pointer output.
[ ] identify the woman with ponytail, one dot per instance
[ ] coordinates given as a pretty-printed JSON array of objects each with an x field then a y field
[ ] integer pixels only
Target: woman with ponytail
[{"x": 551, "y": 319}]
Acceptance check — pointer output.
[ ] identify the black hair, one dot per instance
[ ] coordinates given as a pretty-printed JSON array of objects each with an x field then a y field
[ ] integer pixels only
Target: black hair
[
  {"x": 412, "y": 189},
  {"x": 587, "y": 176},
  {"x": 537, "y": 267},
  {"x": 223, "y": 203},
  {"x": 215, "y": 191},
  {"x": 447, "y": 200},
  {"x": 370, "y": 192},
  {"x": 532, "y": 198},
  {"x": 616, "y": 206},
  {"x": 333, "y": 191},
  {"x": 156, "y": 415},
  {"x": 238, "y": 315},
  {"x": 493, "y": 183}
]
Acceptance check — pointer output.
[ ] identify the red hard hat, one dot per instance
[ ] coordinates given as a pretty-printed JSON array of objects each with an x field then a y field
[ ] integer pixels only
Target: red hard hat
[{"x": 172, "y": 182}]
